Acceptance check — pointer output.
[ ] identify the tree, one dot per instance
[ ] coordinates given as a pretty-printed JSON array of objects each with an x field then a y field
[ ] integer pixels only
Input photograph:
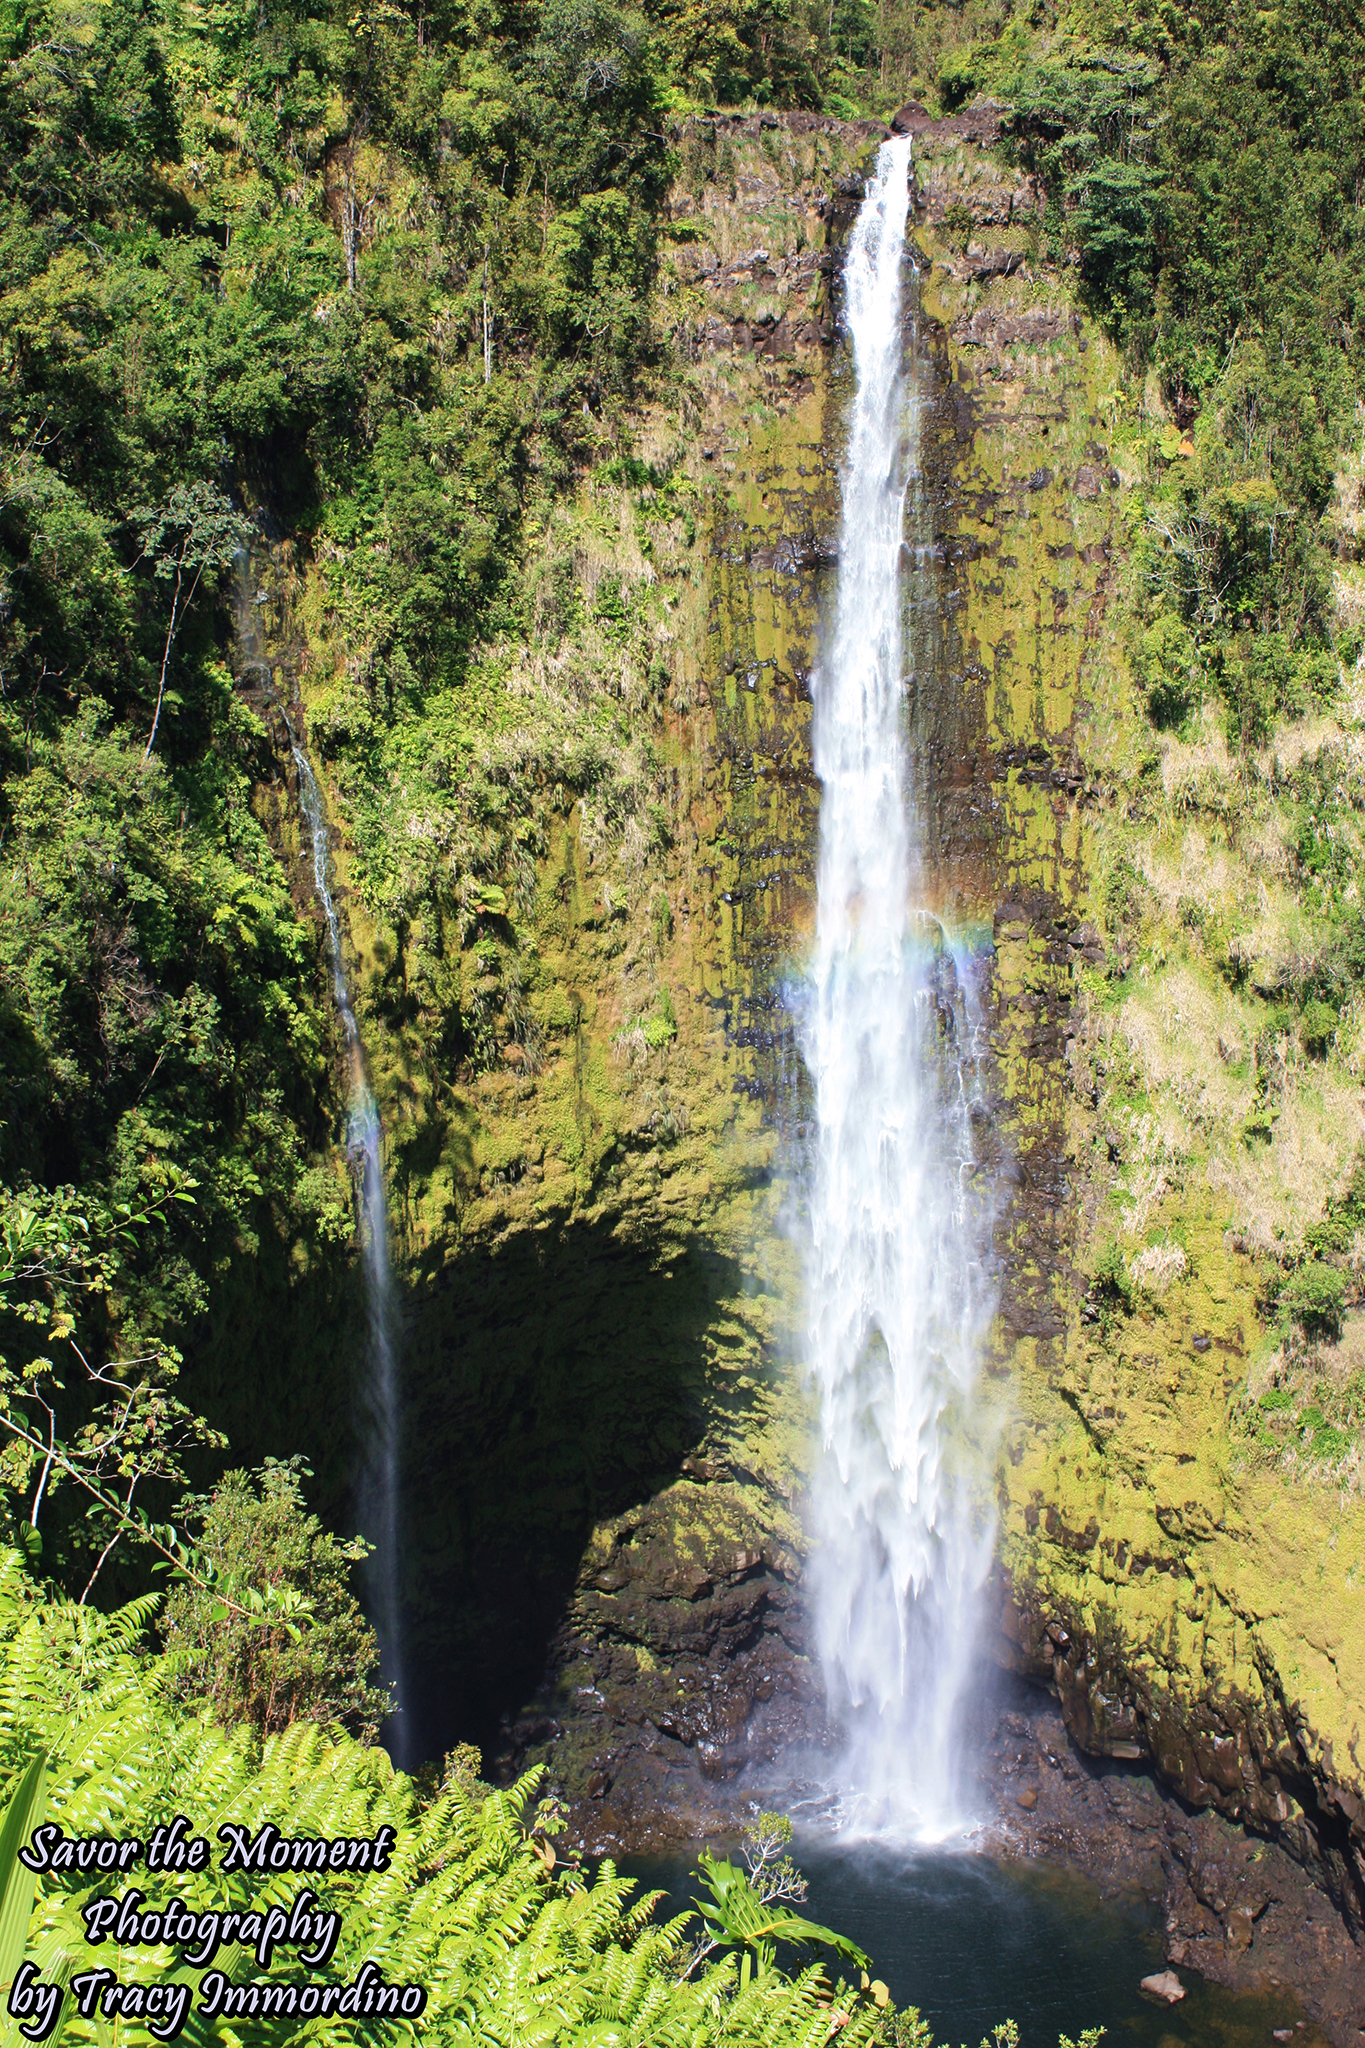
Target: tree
[
  {"x": 137, "y": 1432},
  {"x": 196, "y": 529},
  {"x": 134, "y": 1431},
  {"x": 271, "y": 1559}
]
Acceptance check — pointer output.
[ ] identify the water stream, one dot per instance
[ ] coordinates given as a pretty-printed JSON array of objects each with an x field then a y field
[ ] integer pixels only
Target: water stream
[
  {"x": 379, "y": 1479},
  {"x": 378, "y": 1487},
  {"x": 897, "y": 1290}
]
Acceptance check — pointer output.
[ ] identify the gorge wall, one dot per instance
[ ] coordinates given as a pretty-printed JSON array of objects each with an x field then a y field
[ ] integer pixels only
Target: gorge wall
[{"x": 608, "y": 1440}]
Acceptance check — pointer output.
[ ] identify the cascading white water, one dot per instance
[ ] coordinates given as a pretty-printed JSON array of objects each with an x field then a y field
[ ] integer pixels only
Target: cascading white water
[
  {"x": 897, "y": 1292},
  {"x": 379, "y": 1482}
]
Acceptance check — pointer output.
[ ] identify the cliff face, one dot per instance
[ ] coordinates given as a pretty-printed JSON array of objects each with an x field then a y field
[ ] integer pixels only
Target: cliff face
[
  {"x": 608, "y": 1437},
  {"x": 600, "y": 1284},
  {"x": 1191, "y": 1605}
]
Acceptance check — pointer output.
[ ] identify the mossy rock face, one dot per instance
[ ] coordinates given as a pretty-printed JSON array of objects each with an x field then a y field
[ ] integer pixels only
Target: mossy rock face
[
  {"x": 607, "y": 1440},
  {"x": 993, "y": 723},
  {"x": 1191, "y": 1607},
  {"x": 588, "y": 1231}
]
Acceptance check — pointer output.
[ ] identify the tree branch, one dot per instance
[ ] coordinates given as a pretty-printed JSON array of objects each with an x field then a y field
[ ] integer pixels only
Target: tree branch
[
  {"x": 165, "y": 663},
  {"x": 108, "y": 1546},
  {"x": 126, "y": 1520}
]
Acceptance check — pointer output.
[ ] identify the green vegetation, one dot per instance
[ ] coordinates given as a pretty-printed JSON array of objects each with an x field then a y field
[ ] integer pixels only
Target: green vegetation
[
  {"x": 1312, "y": 1418},
  {"x": 327, "y": 338},
  {"x": 749, "y": 1908},
  {"x": 1201, "y": 166},
  {"x": 80, "y": 1436},
  {"x": 1315, "y": 1296},
  {"x": 251, "y": 1713},
  {"x": 245, "y": 1655},
  {"x": 510, "y": 1942},
  {"x": 379, "y": 283},
  {"x": 1113, "y": 1289},
  {"x": 474, "y": 1906},
  {"x": 382, "y": 285}
]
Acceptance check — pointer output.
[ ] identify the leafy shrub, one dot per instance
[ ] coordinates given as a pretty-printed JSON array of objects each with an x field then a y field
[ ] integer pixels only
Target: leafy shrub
[
  {"x": 663, "y": 1025},
  {"x": 1318, "y": 1026},
  {"x": 960, "y": 76},
  {"x": 1315, "y": 1296},
  {"x": 510, "y": 1944},
  {"x": 1345, "y": 1216},
  {"x": 1259, "y": 1127},
  {"x": 1113, "y": 1286},
  {"x": 262, "y": 1669},
  {"x": 958, "y": 223},
  {"x": 1169, "y": 670}
]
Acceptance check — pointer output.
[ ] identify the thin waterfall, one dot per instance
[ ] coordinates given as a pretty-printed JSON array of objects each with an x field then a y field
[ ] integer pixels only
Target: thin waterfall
[
  {"x": 378, "y": 1487},
  {"x": 897, "y": 1291},
  {"x": 379, "y": 1479}
]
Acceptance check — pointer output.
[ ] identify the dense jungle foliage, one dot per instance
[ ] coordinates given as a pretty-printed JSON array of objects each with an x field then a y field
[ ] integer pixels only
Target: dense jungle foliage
[
  {"x": 510, "y": 1945},
  {"x": 1203, "y": 167}
]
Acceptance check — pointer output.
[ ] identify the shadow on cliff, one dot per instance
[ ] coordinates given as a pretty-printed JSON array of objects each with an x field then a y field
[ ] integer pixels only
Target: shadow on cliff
[{"x": 551, "y": 1381}]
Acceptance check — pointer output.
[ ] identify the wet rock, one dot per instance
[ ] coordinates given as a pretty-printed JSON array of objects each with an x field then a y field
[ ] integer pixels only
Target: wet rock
[
  {"x": 1240, "y": 1921},
  {"x": 1130, "y": 1834},
  {"x": 1165, "y": 1986}
]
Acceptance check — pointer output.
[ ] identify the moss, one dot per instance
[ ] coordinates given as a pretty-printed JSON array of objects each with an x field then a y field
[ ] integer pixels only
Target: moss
[
  {"x": 572, "y": 1044},
  {"x": 1140, "y": 1516},
  {"x": 617, "y": 1116}
]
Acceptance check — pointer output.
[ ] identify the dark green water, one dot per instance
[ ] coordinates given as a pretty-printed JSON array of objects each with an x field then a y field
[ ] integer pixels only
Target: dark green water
[{"x": 970, "y": 1941}]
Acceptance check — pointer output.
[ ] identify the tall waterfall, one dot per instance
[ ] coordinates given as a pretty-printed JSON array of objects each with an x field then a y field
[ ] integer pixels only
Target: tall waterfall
[
  {"x": 379, "y": 1480},
  {"x": 896, "y": 1287}
]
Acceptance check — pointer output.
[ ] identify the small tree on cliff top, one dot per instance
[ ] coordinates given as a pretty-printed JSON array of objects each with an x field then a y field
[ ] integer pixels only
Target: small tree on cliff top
[{"x": 196, "y": 529}]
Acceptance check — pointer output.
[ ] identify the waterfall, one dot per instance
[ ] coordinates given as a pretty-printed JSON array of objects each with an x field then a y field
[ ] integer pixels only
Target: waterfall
[
  {"x": 379, "y": 1480},
  {"x": 898, "y": 1297}
]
